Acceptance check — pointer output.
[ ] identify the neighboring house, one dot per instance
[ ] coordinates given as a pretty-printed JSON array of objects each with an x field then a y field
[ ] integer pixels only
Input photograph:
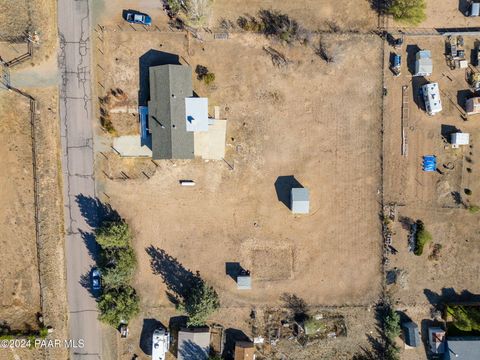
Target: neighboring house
[
  {"x": 436, "y": 340},
  {"x": 459, "y": 138},
  {"x": 193, "y": 344},
  {"x": 244, "y": 350},
  {"x": 462, "y": 348},
  {"x": 411, "y": 334},
  {"x": 472, "y": 106}
]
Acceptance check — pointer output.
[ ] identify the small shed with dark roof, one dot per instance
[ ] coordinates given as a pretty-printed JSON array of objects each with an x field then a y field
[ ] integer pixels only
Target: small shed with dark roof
[{"x": 412, "y": 337}]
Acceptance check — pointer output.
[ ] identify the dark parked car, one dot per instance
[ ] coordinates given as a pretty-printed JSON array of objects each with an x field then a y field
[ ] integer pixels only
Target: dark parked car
[{"x": 138, "y": 18}]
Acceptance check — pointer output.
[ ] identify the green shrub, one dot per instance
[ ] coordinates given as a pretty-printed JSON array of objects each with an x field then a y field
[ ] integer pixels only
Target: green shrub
[
  {"x": 408, "y": 11},
  {"x": 473, "y": 209},
  {"x": 174, "y": 6},
  {"x": 465, "y": 318},
  {"x": 118, "y": 304},
  {"x": 392, "y": 325},
  {"x": 422, "y": 238},
  {"x": 113, "y": 234},
  {"x": 209, "y": 78},
  {"x": 43, "y": 333},
  {"x": 200, "y": 303}
]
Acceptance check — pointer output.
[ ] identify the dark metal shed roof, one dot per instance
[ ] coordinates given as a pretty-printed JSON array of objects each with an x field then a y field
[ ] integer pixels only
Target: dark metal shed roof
[
  {"x": 412, "y": 337},
  {"x": 169, "y": 86}
]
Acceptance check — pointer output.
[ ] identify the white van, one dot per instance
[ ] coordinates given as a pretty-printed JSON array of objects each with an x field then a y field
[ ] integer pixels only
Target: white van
[
  {"x": 431, "y": 97},
  {"x": 160, "y": 344}
]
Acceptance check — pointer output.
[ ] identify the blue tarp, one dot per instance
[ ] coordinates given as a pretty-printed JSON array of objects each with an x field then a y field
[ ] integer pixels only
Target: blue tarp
[
  {"x": 143, "y": 113},
  {"x": 429, "y": 163}
]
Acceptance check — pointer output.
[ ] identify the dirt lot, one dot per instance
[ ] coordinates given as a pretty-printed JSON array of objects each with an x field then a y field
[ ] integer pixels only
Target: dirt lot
[
  {"x": 434, "y": 198},
  {"x": 37, "y": 76},
  {"x": 332, "y": 146},
  {"x": 19, "y": 279},
  {"x": 313, "y": 14}
]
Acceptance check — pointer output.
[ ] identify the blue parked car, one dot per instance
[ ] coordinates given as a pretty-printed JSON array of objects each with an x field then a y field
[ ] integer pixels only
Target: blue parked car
[
  {"x": 96, "y": 279},
  {"x": 138, "y": 18}
]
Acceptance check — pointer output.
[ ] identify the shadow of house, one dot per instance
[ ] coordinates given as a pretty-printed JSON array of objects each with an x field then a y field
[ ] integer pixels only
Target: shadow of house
[
  {"x": 462, "y": 97},
  {"x": 231, "y": 337},
  {"x": 179, "y": 280},
  {"x": 234, "y": 269},
  {"x": 447, "y": 131},
  {"x": 147, "y": 60},
  {"x": 463, "y": 6},
  {"x": 283, "y": 188},
  {"x": 412, "y": 51},
  {"x": 146, "y": 336},
  {"x": 417, "y": 83}
]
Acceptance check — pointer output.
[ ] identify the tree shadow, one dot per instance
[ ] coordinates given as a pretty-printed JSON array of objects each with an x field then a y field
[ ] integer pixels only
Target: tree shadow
[
  {"x": 449, "y": 295},
  {"x": 91, "y": 244},
  {"x": 296, "y": 305},
  {"x": 284, "y": 186},
  {"x": 380, "y": 6},
  {"x": 191, "y": 351},
  {"x": 146, "y": 336},
  {"x": 179, "y": 280},
  {"x": 151, "y": 58},
  {"x": 94, "y": 211},
  {"x": 231, "y": 337},
  {"x": 412, "y": 51}
]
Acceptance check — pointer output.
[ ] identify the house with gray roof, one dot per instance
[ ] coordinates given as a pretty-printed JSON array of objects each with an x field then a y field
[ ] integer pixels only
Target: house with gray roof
[
  {"x": 462, "y": 348},
  {"x": 178, "y": 123},
  {"x": 193, "y": 343},
  {"x": 170, "y": 85}
]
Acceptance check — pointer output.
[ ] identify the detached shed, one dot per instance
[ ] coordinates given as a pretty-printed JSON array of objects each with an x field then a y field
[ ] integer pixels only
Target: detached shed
[
  {"x": 458, "y": 139},
  {"x": 244, "y": 281},
  {"x": 423, "y": 63},
  {"x": 410, "y": 330},
  {"x": 472, "y": 106},
  {"x": 300, "y": 201}
]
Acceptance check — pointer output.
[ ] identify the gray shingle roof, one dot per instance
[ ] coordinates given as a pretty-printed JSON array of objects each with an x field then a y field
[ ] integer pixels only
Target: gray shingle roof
[
  {"x": 462, "y": 348},
  {"x": 169, "y": 86}
]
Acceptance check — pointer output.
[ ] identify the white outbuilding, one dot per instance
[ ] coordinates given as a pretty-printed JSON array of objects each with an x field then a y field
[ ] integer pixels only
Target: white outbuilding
[
  {"x": 300, "y": 201},
  {"x": 459, "y": 138},
  {"x": 472, "y": 106},
  {"x": 423, "y": 63}
]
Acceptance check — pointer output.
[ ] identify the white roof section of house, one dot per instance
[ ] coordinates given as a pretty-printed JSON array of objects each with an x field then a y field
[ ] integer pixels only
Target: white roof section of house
[
  {"x": 423, "y": 64},
  {"x": 300, "y": 201},
  {"x": 431, "y": 96},
  {"x": 460, "y": 138},
  {"x": 196, "y": 113},
  {"x": 193, "y": 344}
]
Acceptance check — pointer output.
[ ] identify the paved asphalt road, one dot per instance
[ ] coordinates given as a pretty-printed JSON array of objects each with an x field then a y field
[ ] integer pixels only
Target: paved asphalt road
[{"x": 77, "y": 164}]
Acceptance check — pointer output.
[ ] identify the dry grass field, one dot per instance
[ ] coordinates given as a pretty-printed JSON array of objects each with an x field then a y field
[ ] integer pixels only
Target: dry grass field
[{"x": 435, "y": 198}]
